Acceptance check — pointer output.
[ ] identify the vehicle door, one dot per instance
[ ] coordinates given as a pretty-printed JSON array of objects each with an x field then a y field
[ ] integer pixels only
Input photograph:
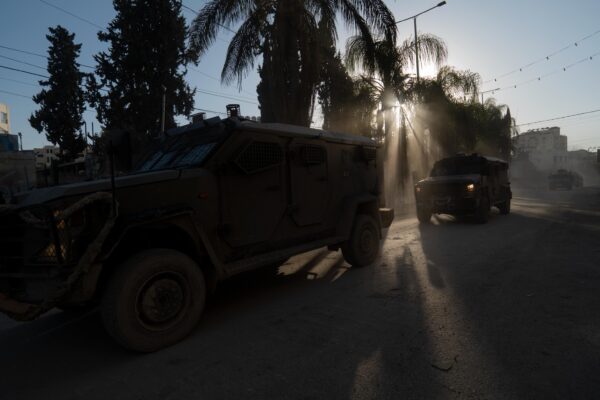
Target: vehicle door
[
  {"x": 309, "y": 181},
  {"x": 252, "y": 187}
]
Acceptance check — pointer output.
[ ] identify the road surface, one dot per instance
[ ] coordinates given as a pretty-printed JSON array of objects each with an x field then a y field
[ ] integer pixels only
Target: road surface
[{"x": 510, "y": 309}]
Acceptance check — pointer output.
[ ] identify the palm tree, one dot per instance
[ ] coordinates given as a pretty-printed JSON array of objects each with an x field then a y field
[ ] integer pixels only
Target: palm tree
[
  {"x": 286, "y": 33},
  {"x": 386, "y": 64},
  {"x": 385, "y": 67}
]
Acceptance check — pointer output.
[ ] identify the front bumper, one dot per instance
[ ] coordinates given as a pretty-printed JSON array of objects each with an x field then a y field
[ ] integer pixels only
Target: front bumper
[
  {"x": 31, "y": 284},
  {"x": 456, "y": 205}
]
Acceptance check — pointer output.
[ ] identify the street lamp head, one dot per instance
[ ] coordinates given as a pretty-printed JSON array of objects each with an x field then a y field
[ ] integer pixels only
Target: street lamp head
[{"x": 441, "y": 4}]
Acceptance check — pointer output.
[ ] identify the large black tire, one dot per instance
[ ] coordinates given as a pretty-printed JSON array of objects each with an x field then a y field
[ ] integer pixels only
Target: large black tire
[
  {"x": 482, "y": 215},
  {"x": 153, "y": 300},
  {"x": 423, "y": 215},
  {"x": 504, "y": 207},
  {"x": 362, "y": 248}
]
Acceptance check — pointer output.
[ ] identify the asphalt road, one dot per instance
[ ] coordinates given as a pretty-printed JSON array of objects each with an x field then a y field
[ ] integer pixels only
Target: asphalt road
[{"x": 510, "y": 309}]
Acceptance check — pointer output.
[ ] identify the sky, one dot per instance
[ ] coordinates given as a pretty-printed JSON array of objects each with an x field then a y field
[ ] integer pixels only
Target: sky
[{"x": 490, "y": 37}]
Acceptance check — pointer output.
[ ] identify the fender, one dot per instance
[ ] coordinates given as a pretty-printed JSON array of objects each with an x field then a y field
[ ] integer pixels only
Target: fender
[
  {"x": 350, "y": 206},
  {"x": 152, "y": 219}
]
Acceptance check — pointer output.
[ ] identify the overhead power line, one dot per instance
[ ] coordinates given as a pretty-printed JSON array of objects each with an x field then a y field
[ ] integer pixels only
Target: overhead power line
[
  {"x": 542, "y": 59},
  {"x": 71, "y": 14},
  {"x": 22, "y": 62},
  {"x": 34, "y": 54},
  {"x": 25, "y": 72},
  {"x": 15, "y": 94},
  {"x": 214, "y": 78},
  {"x": 562, "y": 117},
  {"x": 226, "y": 97},
  {"x": 196, "y": 12},
  {"x": 540, "y": 77},
  {"x": 209, "y": 111},
  {"x": 23, "y": 51},
  {"x": 17, "y": 81}
]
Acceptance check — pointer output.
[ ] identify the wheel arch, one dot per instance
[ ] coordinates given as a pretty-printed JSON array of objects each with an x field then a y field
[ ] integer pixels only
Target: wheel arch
[
  {"x": 355, "y": 205},
  {"x": 174, "y": 233}
]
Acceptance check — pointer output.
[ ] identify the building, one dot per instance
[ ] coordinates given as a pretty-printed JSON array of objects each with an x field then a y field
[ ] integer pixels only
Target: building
[
  {"x": 9, "y": 142},
  {"x": 44, "y": 156},
  {"x": 4, "y": 119},
  {"x": 545, "y": 148}
]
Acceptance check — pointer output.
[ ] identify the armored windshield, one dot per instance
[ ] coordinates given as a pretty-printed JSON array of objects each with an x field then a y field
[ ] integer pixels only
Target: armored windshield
[
  {"x": 456, "y": 166},
  {"x": 181, "y": 150}
]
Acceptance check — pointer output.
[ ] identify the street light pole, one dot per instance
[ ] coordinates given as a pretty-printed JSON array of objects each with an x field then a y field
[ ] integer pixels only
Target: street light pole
[
  {"x": 417, "y": 50},
  {"x": 414, "y": 18},
  {"x": 487, "y": 91}
]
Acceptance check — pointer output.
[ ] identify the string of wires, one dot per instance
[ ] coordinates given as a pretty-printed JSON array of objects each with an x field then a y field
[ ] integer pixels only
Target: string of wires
[
  {"x": 541, "y": 77},
  {"x": 576, "y": 43},
  {"x": 559, "y": 118}
]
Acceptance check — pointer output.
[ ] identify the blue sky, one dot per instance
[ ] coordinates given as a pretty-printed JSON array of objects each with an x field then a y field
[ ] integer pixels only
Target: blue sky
[{"x": 490, "y": 37}]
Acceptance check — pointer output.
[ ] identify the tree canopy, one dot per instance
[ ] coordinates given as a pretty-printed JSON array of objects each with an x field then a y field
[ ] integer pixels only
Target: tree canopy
[
  {"x": 286, "y": 33},
  {"x": 62, "y": 99},
  {"x": 146, "y": 55}
]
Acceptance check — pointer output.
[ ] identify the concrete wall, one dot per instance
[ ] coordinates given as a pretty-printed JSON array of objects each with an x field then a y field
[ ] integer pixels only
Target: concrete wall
[{"x": 17, "y": 171}]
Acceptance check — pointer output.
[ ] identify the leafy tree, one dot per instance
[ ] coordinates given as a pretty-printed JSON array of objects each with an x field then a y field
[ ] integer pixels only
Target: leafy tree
[
  {"x": 347, "y": 104},
  {"x": 448, "y": 107},
  {"x": 62, "y": 100},
  {"x": 147, "y": 54},
  {"x": 286, "y": 33},
  {"x": 384, "y": 62}
]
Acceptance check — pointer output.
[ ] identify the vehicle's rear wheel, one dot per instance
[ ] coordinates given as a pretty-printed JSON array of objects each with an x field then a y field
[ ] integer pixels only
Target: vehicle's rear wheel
[
  {"x": 482, "y": 214},
  {"x": 362, "y": 248},
  {"x": 154, "y": 300},
  {"x": 504, "y": 207},
  {"x": 423, "y": 215}
]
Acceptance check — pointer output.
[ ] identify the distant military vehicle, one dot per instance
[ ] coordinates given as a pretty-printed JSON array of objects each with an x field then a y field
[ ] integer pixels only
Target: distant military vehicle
[
  {"x": 208, "y": 201},
  {"x": 464, "y": 184},
  {"x": 563, "y": 179}
]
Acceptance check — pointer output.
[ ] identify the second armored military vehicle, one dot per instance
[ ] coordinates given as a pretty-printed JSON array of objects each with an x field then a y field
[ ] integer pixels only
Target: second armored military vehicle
[
  {"x": 564, "y": 179},
  {"x": 464, "y": 184},
  {"x": 208, "y": 201}
]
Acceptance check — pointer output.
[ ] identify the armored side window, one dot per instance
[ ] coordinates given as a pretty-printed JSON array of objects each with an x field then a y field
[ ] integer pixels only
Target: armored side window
[
  {"x": 312, "y": 155},
  {"x": 259, "y": 156}
]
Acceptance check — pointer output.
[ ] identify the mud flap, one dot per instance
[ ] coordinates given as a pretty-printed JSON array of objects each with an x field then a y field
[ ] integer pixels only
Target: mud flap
[{"x": 387, "y": 216}]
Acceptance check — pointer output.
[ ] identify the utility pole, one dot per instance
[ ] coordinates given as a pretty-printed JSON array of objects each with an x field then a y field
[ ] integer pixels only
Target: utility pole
[
  {"x": 164, "y": 106},
  {"x": 487, "y": 91},
  {"x": 417, "y": 50},
  {"x": 414, "y": 18}
]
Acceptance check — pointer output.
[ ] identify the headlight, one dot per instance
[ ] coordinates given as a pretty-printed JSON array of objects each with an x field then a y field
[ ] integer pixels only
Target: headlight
[{"x": 471, "y": 187}]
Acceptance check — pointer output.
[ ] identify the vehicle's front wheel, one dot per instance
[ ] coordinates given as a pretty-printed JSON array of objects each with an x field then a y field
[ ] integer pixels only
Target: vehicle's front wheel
[
  {"x": 362, "y": 248},
  {"x": 154, "y": 300},
  {"x": 504, "y": 207},
  {"x": 482, "y": 214}
]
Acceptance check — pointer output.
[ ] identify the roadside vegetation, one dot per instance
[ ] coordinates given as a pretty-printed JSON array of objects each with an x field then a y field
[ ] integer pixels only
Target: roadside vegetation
[{"x": 307, "y": 77}]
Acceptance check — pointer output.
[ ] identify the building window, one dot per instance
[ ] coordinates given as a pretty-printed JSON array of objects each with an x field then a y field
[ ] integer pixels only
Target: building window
[{"x": 4, "y": 117}]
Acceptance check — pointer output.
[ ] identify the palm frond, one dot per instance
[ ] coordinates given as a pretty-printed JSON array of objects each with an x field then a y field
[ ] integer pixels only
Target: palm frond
[
  {"x": 431, "y": 49},
  {"x": 212, "y": 17},
  {"x": 243, "y": 49}
]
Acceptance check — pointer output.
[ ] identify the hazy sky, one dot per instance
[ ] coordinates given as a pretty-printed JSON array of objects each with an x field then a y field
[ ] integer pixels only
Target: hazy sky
[{"x": 490, "y": 37}]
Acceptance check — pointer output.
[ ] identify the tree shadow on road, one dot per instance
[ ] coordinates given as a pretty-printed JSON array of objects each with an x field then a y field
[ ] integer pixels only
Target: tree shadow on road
[{"x": 525, "y": 290}]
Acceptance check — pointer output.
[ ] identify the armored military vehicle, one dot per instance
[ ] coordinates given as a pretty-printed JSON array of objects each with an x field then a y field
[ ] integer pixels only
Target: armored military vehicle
[
  {"x": 563, "y": 179},
  {"x": 208, "y": 201},
  {"x": 464, "y": 184}
]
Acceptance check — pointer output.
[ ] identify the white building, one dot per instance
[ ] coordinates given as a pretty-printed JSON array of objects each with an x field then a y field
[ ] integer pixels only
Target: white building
[
  {"x": 45, "y": 155},
  {"x": 546, "y": 148},
  {"x": 4, "y": 119}
]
